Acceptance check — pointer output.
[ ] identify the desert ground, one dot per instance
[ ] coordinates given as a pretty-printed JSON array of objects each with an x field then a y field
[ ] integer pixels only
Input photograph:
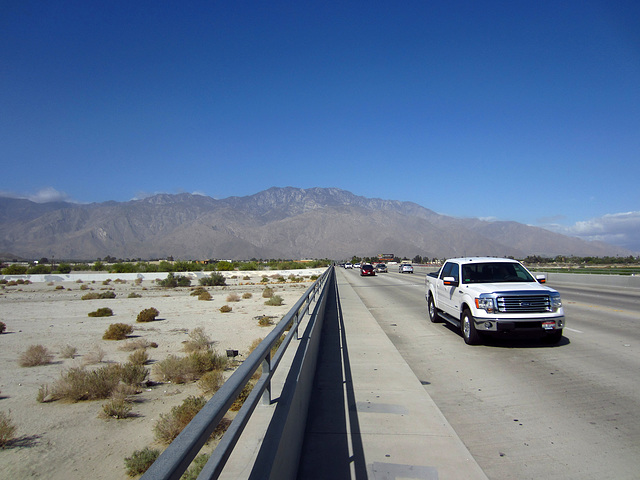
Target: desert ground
[{"x": 64, "y": 440}]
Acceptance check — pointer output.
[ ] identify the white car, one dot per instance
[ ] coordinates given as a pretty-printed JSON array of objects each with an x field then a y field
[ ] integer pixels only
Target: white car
[
  {"x": 405, "y": 268},
  {"x": 348, "y": 265}
]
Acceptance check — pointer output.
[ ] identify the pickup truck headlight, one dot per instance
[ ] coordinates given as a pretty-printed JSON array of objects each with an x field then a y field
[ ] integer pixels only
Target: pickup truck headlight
[
  {"x": 556, "y": 302},
  {"x": 485, "y": 303}
]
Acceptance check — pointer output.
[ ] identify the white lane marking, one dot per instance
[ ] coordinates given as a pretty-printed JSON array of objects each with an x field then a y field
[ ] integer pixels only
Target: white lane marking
[{"x": 573, "y": 330}]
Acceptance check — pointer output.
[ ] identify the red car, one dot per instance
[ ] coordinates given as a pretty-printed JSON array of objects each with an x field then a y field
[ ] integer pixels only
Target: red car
[{"x": 367, "y": 269}]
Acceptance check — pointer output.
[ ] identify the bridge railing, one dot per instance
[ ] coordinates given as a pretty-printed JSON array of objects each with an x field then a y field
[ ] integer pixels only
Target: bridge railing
[{"x": 175, "y": 460}]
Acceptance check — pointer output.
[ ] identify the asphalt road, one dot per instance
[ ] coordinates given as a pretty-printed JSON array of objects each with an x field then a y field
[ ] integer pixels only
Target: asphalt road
[{"x": 526, "y": 410}]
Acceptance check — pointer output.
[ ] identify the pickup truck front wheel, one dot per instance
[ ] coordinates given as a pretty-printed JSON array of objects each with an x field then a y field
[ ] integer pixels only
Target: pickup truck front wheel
[
  {"x": 468, "y": 328},
  {"x": 433, "y": 312}
]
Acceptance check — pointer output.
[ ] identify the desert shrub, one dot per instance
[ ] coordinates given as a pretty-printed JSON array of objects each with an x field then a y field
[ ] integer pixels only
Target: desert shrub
[
  {"x": 213, "y": 280},
  {"x": 84, "y": 287},
  {"x": 98, "y": 296},
  {"x": 7, "y": 429},
  {"x": 276, "y": 301},
  {"x": 139, "y": 357},
  {"x": 280, "y": 279},
  {"x": 117, "y": 331},
  {"x": 224, "y": 266},
  {"x": 244, "y": 394},
  {"x": 173, "y": 281},
  {"x": 314, "y": 277},
  {"x": 43, "y": 393},
  {"x": 68, "y": 351},
  {"x": 140, "y": 461},
  {"x": 35, "y": 355},
  {"x": 204, "y": 296},
  {"x": 196, "y": 466},
  {"x": 174, "y": 369},
  {"x": 203, "y": 361},
  {"x": 106, "y": 282},
  {"x": 138, "y": 281},
  {"x": 265, "y": 321},
  {"x": 247, "y": 295},
  {"x": 101, "y": 312},
  {"x": 3, "y": 327},
  {"x": 211, "y": 382},
  {"x": 169, "y": 426},
  {"x": 15, "y": 270},
  {"x": 94, "y": 356},
  {"x": 134, "y": 295},
  {"x": 133, "y": 374},
  {"x": 198, "y": 340},
  {"x": 264, "y": 279},
  {"x": 78, "y": 384},
  {"x": 233, "y": 297},
  {"x": 137, "y": 344},
  {"x": 117, "y": 407},
  {"x": 267, "y": 292},
  {"x": 147, "y": 315},
  {"x": 225, "y": 309},
  {"x": 59, "y": 287},
  {"x": 197, "y": 291},
  {"x": 246, "y": 278}
]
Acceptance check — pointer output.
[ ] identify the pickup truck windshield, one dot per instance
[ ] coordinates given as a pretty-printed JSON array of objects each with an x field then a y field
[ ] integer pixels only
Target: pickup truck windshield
[{"x": 495, "y": 273}]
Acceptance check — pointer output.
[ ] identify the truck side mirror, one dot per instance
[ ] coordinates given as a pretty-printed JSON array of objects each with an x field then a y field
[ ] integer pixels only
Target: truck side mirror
[
  {"x": 450, "y": 281},
  {"x": 541, "y": 278}
]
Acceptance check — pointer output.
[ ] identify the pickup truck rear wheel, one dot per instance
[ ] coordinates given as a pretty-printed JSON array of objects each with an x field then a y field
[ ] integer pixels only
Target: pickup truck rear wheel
[
  {"x": 433, "y": 312},
  {"x": 468, "y": 328}
]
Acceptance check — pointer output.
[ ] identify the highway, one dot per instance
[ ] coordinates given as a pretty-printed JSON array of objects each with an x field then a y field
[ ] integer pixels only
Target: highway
[{"x": 524, "y": 409}]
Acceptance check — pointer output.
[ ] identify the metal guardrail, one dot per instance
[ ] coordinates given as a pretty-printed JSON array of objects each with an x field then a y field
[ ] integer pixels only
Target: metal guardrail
[{"x": 175, "y": 460}]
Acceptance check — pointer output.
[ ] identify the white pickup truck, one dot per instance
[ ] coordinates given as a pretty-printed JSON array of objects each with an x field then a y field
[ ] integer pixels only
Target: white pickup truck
[{"x": 493, "y": 296}]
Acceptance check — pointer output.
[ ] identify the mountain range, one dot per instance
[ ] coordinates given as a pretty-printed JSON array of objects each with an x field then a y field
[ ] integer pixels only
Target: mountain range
[{"x": 286, "y": 223}]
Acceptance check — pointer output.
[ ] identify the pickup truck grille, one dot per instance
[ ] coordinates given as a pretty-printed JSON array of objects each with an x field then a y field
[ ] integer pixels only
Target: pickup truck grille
[{"x": 524, "y": 304}]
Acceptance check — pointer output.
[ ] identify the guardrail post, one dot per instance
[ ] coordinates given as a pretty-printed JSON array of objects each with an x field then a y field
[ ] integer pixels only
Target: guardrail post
[{"x": 266, "y": 370}]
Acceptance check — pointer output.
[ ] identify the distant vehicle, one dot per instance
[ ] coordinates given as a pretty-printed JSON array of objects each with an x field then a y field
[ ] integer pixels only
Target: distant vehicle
[
  {"x": 405, "y": 268},
  {"x": 348, "y": 265},
  {"x": 381, "y": 268},
  {"x": 367, "y": 269},
  {"x": 356, "y": 265},
  {"x": 483, "y": 296}
]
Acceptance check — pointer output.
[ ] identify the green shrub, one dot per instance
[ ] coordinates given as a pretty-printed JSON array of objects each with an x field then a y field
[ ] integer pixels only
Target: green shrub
[
  {"x": 275, "y": 300},
  {"x": 213, "y": 280},
  {"x": 203, "y": 361},
  {"x": 147, "y": 315},
  {"x": 196, "y": 466},
  {"x": 35, "y": 355},
  {"x": 133, "y": 373},
  {"x": 101, "y": 312},
  {"x": 14, "y": 270},
  {"x": 117, "y": 331},
  {"x": 7, "y": 429},
  {"x": 173, "y": 281},
  {"x": 244, "y": 394},
  {"x": 134, "y": 295},
  {"x": 140, "y": 461},
  {"x": 169, "y": 426},
  {"x": 224, "y": 266}
]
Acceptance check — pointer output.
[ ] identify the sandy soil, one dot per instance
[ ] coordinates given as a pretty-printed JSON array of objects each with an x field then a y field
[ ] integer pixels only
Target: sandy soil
[{"x": 58, "y": 440}]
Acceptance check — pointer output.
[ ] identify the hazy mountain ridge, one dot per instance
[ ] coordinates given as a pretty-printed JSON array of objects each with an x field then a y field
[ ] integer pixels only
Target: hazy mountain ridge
[{"x": 276, "y": 223}]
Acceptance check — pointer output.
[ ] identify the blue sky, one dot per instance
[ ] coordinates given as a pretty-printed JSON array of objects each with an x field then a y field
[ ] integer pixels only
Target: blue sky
[{"x": 512, "y": 110}]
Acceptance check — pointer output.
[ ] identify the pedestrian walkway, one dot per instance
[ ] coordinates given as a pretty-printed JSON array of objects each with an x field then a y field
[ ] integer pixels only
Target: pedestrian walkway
[{"x": 369, "y": 416}]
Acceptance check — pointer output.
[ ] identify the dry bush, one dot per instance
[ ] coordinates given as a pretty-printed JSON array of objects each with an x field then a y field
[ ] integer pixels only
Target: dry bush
[
  {"x": 198, "y": 340},
  {"x": 3, "y": 327},
  {"x": 94, "y": 356},
  {"x": 98, "y": 296},
  {"x": 265, "y": 321},
  {"x": 133, "y": 374},
  {"x": 117, "y": 407},
  {"x": 35, "y": 355},
  {"x": 225, "y": 309},
  {"x": 244, "y": 394},
  {"x": 84, "y": 287},
  {"x": 139, "y": 357},
  {"x": 205, "y": 296},
  {"x": 137, "y": 344},
  {"x": 134, "y": 295},
  {"x": 137, "y": 281},
  {"x": 247, "y": 295},
  {"x": 233, "y": 297},
  {"x": 68, "y": 351},
  {"x": 78, "y": 384},
  {"x": 101, "y": 312},
  {"x": 117, "y": 331},
  {"x": 267, "y": 292},
  {"x": 197, "y": 291},
  {"x": 275, "y": 301},
  {"x": 187, "y": 369},
  {"x": 147, "y": 315},
  {"x": 140, "y": 461},
  {"x": 7, "y": 429},
  {"x": 211, "y": 382},
  {"x": 169, "y": 426}
]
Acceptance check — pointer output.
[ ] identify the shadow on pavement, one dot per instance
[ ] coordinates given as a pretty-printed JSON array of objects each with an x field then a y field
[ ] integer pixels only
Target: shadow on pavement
[{"x": 332, "y": 445}]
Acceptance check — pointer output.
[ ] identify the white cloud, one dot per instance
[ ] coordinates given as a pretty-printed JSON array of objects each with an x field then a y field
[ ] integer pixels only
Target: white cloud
[
  {"x": 47, "y": 194},
  {"x": 622, "y": 229}
]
